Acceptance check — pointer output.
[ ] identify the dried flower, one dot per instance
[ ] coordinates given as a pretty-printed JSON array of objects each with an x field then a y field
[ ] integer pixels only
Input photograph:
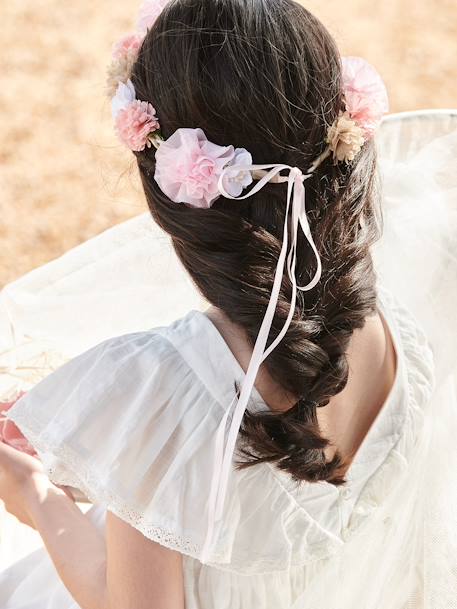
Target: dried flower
[
  {"x": 345, "y": 138},
  {"x": 124, "y": 55}
]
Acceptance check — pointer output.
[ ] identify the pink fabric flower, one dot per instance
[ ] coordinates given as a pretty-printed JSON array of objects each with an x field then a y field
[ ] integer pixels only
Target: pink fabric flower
[
  {"x": 365, "y": 93},
  {"x": 188, "y": 167},
  {"x": 149, "y": 11},
  {"x": 127, "y": 45},
  {"x": 134, "y": 120},
  {"x": 135, "y": 123},
  {"x": 10, "y": 434}
]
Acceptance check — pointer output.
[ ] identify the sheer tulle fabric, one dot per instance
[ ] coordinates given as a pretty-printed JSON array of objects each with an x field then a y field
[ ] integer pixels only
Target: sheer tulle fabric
[{"x": 399, "y": 550}]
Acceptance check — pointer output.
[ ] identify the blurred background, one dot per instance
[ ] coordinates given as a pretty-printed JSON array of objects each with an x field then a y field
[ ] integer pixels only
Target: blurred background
[{"x": 63, "y": 175}]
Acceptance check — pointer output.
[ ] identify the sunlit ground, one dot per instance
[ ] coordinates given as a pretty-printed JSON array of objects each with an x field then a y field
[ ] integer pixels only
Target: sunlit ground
[{"x": 63, "y": 175}]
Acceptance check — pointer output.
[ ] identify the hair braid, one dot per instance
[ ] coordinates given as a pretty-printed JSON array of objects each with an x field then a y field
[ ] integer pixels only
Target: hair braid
[{"x": 231, "y": 250}]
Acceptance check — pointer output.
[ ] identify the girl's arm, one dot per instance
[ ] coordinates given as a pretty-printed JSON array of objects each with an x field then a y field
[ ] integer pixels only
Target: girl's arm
[
  {"x": 141, "y": 574},
  {"x": 121, "y": 570},
  {"x": 75, "y": 545}
]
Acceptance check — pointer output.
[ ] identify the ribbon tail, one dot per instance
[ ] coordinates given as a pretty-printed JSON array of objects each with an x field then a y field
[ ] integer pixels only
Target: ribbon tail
[
  {"x": 254, "y": 364},
  {"x": 304, "y": 223},
  {"x": 297, "y": 206},
  {"x": 223, "y": 457}
]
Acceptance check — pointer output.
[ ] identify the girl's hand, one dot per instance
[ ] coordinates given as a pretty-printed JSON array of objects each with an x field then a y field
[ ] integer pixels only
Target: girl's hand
[{"x": 21, "y": 477}]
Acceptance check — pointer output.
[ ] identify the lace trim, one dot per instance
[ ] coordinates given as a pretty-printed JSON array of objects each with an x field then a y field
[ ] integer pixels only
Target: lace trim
[
  {"x": 419, "y": 370},
  {"x": 62, "y": 473},
  {"x": 61, "y": 464}
]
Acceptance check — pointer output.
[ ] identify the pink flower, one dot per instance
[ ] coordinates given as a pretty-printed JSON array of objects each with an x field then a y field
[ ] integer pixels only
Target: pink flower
[
  {"x": 149, "y": 11},
  {"x": 365, "y": 93},
  {"x": 127, "y": 45},
  {"x": 135, "y": 123},
  {"x": 188, "y": 167},
  {"x": 134, "y": 120},
  {"x": 10, "y": 434}
]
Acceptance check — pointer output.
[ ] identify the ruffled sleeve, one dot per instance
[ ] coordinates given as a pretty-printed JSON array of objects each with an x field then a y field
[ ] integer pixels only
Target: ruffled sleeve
[
  {"x": 133, "y": 423},
  {"x": 130, "y": 424}
]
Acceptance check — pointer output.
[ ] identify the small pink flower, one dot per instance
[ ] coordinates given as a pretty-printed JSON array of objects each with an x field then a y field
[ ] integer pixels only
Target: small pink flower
[
  {"x": 149, "y": 11},
  {"x": 365, "y": 93},
  {"x": 10, "y": 434},
  {"x": 135, "y": 123},
  {"x": 127, "y": 45},
  {"x": 134, "y": 120},
  {"x": 125, "y": 54},
  {"x": 188, "y": 167}
]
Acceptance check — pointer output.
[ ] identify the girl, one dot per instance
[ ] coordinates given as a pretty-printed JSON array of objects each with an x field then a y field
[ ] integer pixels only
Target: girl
[{"x": 290, "y": 445}]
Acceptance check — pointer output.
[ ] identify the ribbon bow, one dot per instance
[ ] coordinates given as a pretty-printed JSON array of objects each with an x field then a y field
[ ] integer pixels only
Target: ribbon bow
[{"x": 296, "y": 194}]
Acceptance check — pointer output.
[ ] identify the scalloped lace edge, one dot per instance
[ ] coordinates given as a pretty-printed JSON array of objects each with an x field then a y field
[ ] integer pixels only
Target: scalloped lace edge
[{"x": 87, "y": 482}]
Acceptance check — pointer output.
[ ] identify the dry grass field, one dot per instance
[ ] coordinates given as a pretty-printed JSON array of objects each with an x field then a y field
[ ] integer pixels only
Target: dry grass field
[{"x": 63, "y": 175}]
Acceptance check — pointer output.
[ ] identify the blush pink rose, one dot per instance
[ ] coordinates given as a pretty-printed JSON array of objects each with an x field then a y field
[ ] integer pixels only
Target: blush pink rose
[
  {"x": 10, "y": 434},
  {"x": 188, "y": 167},
  {"x": 365, "y": 93}
]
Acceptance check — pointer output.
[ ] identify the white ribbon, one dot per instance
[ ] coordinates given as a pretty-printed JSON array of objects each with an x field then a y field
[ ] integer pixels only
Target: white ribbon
[{"x": 296, "y": 194}]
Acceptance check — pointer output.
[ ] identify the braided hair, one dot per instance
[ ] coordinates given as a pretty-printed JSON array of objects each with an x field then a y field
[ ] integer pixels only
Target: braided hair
[{"x": 266, "y": 75}]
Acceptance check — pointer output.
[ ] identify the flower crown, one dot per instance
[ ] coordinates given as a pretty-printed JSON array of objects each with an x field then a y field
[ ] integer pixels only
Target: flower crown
[
  {"x": 202, "y": 162},
  {"x": 192, "y": 170}
]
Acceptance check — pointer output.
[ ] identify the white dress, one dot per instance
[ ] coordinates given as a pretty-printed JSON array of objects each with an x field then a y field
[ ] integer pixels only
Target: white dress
[{"x": 129, "y": 412}]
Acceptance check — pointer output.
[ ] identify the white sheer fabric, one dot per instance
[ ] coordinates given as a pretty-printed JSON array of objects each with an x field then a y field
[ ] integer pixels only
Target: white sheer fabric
[{"x": 388, "y": 540}]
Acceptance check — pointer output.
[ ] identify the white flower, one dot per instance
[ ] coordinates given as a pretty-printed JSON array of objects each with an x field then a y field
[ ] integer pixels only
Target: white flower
[
  {"x": 125, "y": 95},
  {"x": 236, "y": 179}
]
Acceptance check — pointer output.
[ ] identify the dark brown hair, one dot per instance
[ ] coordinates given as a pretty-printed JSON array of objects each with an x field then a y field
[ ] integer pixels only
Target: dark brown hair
[{"x": 266, "y": 75}]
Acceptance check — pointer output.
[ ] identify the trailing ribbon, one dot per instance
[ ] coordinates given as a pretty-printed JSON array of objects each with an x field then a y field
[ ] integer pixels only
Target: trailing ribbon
[{"x": 296, "y": 194}]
